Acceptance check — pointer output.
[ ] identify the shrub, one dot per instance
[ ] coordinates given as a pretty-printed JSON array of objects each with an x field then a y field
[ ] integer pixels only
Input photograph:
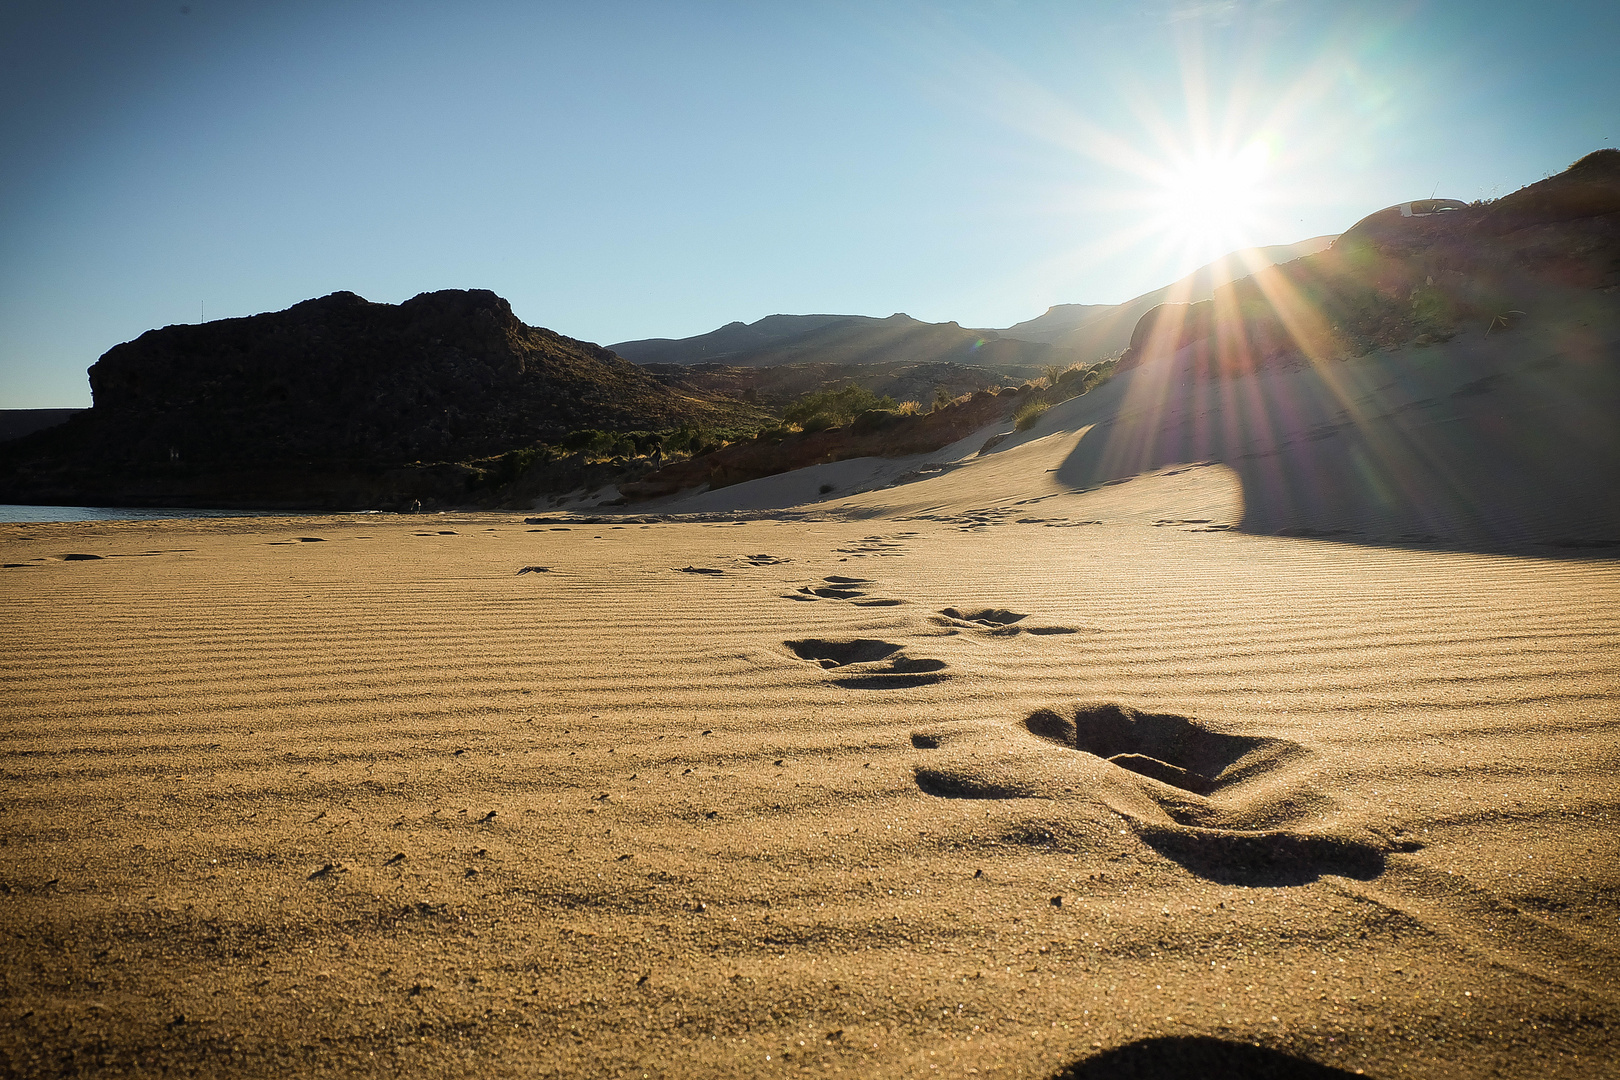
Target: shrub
[
  {"x": 646, "y": 442},
  {"x": 1029, "y": 414},
  {"x": 874, "y": 420},
  {"x": 513, "y": 463},
  {"x": 835, "y": 408},
  {"x": 1070, "y": 375},
  {"x": 684, "y": 440},
  {"x": 591, "y": 443}
]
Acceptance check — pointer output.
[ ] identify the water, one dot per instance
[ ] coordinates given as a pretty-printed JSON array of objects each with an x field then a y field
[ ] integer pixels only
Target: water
[{"x": 10, "y": 512}]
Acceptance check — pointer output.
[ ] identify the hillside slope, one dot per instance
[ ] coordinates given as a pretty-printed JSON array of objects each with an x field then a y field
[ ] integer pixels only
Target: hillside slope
[
  {"x": 848, "y": 339},
  {"x": 1107, "y": 332}
]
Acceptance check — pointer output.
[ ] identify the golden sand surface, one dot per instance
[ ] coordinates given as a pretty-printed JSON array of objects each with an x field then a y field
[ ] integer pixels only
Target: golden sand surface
[{"x": 925, "y": 794}]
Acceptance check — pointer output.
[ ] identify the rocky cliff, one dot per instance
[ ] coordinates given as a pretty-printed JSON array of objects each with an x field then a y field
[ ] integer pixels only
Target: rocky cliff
[{"x": 336, "y": 386}]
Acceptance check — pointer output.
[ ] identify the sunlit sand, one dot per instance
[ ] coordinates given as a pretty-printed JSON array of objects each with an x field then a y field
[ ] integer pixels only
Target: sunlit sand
[{"x": 1050, "y": 758}]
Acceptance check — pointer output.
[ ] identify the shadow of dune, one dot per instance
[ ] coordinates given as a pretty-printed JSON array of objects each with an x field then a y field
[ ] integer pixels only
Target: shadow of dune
[
  {"x": 1477, "y": 444},
  {"x": 1178, "y": 1057},
  {"x": 1263, "y": 859}
]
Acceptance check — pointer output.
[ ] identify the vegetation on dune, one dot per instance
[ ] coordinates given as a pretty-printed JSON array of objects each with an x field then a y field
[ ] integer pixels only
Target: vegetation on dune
[
  {"x": 1061, "y": 384},
  {"x": 1030, "y": 412}
]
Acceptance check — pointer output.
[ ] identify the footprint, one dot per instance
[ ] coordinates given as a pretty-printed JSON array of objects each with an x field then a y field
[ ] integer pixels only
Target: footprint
[
  {"x": 838, "y": 587},
  {"x": 1171, "y": 749},
  {"x": 882, "y": 546},
  {"x": 1227, "y": 807},
  {"x": 830, "y": 592},
  {"x": 872, "y": 664},
  {"x": 831, "y": 654},
  {"x": 997, "y": 621},
  {"x": 985, "y": 616},
  {"x": 902, "y": 674}
]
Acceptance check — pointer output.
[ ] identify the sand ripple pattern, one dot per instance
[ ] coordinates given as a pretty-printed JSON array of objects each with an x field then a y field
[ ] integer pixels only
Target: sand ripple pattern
[{"x": 272, "y": 804}]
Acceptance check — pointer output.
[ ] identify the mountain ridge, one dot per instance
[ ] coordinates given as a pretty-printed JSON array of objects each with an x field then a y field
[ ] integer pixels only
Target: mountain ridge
[{"x": 1072, "y": 333}]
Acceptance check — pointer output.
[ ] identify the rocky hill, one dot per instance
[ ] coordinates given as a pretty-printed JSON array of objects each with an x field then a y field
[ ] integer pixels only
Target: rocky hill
[
  {"x": 848, "y": 339},
  {"x": 732, "y": 339},
  {"x": 1410, "y": 275},
  {"x": 338, "y": 385}
]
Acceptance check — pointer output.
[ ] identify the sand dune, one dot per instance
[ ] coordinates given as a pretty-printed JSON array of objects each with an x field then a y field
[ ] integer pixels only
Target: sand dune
[
  {"x": 1490, "y": 442},
  {"x": 810, "y": 797}
]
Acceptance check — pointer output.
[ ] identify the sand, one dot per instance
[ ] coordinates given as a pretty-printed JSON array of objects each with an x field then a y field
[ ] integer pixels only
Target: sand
[{"x": 993, "y": 773}]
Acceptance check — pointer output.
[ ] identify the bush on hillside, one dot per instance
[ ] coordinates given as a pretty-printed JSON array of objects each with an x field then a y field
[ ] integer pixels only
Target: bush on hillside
[{"x": 835, "y": 408}]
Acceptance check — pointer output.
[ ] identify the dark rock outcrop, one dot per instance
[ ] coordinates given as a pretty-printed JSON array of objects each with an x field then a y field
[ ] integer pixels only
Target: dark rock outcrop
[
  {"x": 338, "y": 387},
  {"x": 443, "y": 376}
]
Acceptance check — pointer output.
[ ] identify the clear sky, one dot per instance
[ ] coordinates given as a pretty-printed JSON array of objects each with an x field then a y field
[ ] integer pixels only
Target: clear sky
[{"x": 627, "y": 170}]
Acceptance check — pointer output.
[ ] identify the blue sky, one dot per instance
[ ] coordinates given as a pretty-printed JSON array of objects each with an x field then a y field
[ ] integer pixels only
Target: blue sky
[{"x": 626, "y": 170}]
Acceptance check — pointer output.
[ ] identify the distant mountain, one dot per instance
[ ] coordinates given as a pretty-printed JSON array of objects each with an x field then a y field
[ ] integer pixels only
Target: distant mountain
[
  {"x": 338, "y": 383},
  {"x": 1065, "y": 334},
  {"x": 15, "y": 423},
  {"x": 1108, "y": 331},
  {"x": 732, "y": 339},
  {"x": 844, "y": 339},
  {"x": 1058, "y": 320}
]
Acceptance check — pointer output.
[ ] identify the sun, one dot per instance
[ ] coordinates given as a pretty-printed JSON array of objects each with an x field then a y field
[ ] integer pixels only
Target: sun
[{"x": 1215, "y": 201}]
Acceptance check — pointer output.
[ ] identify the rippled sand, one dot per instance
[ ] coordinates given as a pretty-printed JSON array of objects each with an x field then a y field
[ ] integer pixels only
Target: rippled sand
[{"x": 931, "y": 793}]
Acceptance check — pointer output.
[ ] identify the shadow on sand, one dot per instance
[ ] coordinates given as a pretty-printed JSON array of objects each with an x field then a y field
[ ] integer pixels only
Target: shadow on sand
[
  {"x": 1411, "y": 448},
  {"x": 1264, "y": 859},
  {"x": 1200, "y": 1056}
]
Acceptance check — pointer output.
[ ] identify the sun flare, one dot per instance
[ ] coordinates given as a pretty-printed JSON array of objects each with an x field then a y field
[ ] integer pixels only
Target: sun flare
[{"x": 1214, "y": 200}]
